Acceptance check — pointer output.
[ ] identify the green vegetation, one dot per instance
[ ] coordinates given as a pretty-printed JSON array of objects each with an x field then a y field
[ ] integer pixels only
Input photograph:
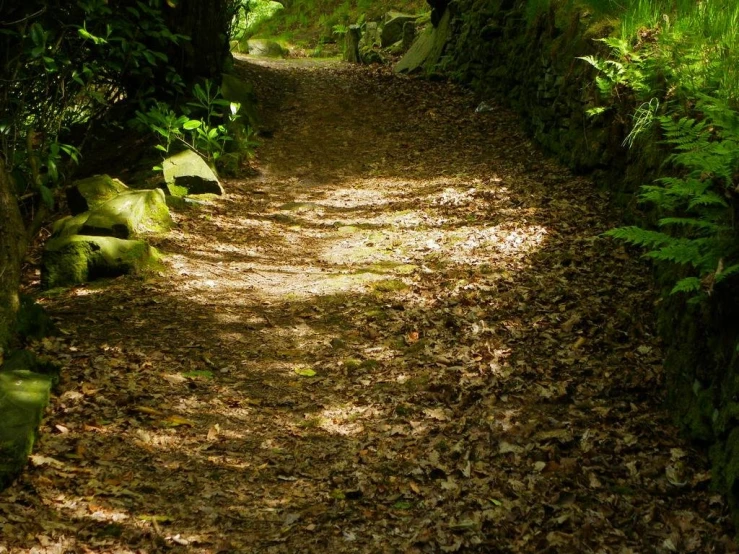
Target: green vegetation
[
  {"x": 313, "y": 22},
  {"x": 203, "y": 125},
  {"x": 675, "y": 65}
]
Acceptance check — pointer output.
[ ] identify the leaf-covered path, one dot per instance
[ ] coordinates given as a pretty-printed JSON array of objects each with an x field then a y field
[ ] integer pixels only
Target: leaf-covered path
[{"x": 400, "y": 334}]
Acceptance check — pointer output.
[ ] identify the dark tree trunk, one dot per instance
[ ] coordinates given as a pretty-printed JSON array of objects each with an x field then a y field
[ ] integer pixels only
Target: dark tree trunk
[
  {"x": 437, "y": 10},
  {"x": 207, "y": 23},
  {"x": 12, "y": 248}
]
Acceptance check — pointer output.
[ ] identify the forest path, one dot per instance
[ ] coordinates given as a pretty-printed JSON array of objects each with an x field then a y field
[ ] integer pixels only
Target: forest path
[{"x": 402, "y": 334}]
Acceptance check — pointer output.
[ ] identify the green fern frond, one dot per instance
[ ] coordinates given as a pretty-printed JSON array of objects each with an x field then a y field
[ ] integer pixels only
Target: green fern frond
[
  {"x": 689, "y": 284},
  {"x": 640, "y": 237},
  {"x": 701, "y": 224},
  {"x": 727, "y": 272},
  {"x": 679, "y": 251},
  {"x": 708, "y": 199},
  {"x": 592, "y": 60}
]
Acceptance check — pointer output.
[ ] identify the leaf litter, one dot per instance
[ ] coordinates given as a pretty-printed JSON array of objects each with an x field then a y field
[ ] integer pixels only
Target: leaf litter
[{"x": 400, "y": 332}]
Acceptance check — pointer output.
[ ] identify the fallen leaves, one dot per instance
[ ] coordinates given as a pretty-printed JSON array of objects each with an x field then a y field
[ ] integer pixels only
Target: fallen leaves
[{"x": 435, "y": 357}]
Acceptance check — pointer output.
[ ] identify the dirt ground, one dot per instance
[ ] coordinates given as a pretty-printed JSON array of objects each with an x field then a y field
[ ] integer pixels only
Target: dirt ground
[{"x": 399, "y": 331}]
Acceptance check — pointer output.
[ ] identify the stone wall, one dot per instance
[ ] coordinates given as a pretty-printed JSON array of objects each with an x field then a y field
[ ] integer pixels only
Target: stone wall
[{"x": 532, "y": 62}]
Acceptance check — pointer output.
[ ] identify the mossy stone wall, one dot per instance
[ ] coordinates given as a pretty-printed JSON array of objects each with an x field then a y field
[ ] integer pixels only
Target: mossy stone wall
[{"x": 532, "y": 62}]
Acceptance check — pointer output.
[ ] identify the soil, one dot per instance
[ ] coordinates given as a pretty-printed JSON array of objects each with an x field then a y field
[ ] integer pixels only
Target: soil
[{"x": 399, "y": 331}]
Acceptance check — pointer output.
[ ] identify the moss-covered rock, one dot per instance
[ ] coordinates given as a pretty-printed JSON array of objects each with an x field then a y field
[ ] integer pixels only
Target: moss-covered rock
[
  {"x": 24, "y": 395},
  {"x": 187, "y": 173},
  {"x": 80, "y": 258},
  {"x": 264, "y": 48},
  {"x": 428, "y": 48},
  {"x": 130, "y": 214},
  {"x": 87, "y": 194},
  {"x": 368, "y": 55}
]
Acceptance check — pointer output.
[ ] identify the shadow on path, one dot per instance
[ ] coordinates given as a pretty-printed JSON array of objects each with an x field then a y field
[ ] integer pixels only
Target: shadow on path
[{"x": 402, "y": 335}]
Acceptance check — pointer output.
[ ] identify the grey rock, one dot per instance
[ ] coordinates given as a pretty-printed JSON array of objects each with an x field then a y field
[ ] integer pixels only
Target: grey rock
[
  {"x": 351, "y": 44},
  {"x": 187, "y": 173},
  {"x": 392, "y": 30},
  {"x": 263, "y": 48},
  {"x": 86, "y": 194}
]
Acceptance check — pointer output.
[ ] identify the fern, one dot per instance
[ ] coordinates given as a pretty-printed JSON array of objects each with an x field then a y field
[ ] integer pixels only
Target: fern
[
  {"x": 691, "y": 222},
  {"x": 689, "y": 284},
  {"x": 639, "y": 237},
  {"x": 696, "y": 228}
]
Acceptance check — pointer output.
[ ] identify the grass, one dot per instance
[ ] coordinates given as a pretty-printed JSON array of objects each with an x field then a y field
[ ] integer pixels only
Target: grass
[
  {"x": 690, "y": 46},
  {"x": 313, "y": 22}
]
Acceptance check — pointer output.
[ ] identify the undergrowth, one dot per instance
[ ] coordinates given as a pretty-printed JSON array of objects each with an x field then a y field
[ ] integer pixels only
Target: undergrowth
[
  {"x": 676, "y": 63},
  {"x": 312, "y": 22}
]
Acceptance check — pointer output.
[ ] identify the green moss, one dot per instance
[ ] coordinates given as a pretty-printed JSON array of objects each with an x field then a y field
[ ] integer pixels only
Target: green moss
[
  {"x": 69, "y": 225},
  {"x": 352, "y": 364},
  {"x": 90, "y": 193},
  {"x": 78, "y": 259},
  {"x": 390, "y": 285},
  {"x": 299, "y": 206},
  {"x": 176, "y": 190},
  {"x": 377, "y": 314},
  {"x": 25, "y": 388}
]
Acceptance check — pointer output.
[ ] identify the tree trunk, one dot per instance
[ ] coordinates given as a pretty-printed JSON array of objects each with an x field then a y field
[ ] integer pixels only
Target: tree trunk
[
  {"x": 437, "y": 10},
  {"x": 207, "y": 23},
  {"x": 12, "y": 248}
]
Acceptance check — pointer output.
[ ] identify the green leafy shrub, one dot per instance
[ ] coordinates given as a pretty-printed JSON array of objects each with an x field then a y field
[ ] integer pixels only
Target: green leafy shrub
[
  {"x": 676, "y": 61},
  {"x": 67, "y": 63},
  {"x": 202, "y": 124},
  {"x": 252, "y": 16},
  {"x": 697, "y": 229}
]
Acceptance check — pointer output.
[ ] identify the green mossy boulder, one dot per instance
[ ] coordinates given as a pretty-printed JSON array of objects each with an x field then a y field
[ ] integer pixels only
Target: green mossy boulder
[
  {"x": 351, "y": 45},
  {"x": 87, "y": 194},
  {"x": 187, "y": 173},
  {"x": 370, "y": 55},
  {"x": 130, "y": 214},
  {"x": 24, "y": 395},
  {"x": 262, "y": 48},
  {"x": 392, "y": 30},
  {"x": 78, "y": 259},
  {"x": 427, "y": 49}
]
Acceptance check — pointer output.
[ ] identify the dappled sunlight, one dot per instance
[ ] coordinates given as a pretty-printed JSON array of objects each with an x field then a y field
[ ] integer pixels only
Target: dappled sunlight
[{"x": 393, "y": 336}]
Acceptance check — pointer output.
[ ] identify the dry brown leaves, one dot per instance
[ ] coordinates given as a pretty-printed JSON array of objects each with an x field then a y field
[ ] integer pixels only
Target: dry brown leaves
[{"x": 403, "y": 335}]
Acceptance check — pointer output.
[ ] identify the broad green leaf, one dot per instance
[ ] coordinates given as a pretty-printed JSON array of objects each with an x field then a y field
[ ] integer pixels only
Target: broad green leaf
[
  {"x": 305, "y": 372},
  {"x": 192, "y": 124}
]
